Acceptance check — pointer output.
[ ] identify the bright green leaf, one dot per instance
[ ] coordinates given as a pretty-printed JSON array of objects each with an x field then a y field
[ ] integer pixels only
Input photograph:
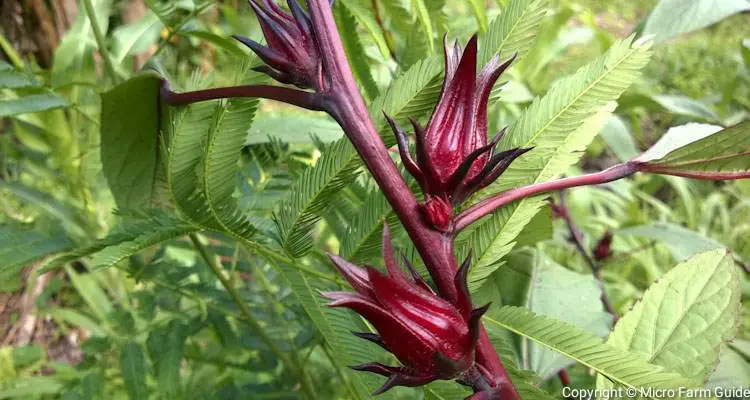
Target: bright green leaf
[
  {"x": 32, "y": 103},
  {"x": 626, "y": 369},
  {"x": 684, "y": 317},
  {"x": 672, "y": 18},
  {"x": 571, "y": 297},
  {"x": 701, "y": 151}
]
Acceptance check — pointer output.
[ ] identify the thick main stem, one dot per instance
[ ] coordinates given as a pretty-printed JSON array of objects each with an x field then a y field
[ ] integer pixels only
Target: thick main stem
[{"x": 435, "y": 248}]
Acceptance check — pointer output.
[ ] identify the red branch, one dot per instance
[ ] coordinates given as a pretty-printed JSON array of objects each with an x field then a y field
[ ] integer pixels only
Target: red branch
[
  {"x": 299, "y": 98},
  {"x": 488, "y": 206}
]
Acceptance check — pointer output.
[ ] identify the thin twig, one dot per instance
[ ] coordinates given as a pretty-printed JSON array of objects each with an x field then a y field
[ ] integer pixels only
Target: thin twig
[
  {"x": 577, "y": 237},
  {"x": 299, "y": 98},
  {"x": 101, "y": 43},
  {"x": 386, "y": 34},
  {"x": 250, "y": 320}
]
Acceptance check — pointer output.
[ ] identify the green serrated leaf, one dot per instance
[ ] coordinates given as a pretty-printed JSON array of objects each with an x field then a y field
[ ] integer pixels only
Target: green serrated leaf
[
  {"x": 221, "y": 162},
  {"x": 132, "y": 236},
  {"x": 423, "y": 16},
  {"x": 186, "y": 129},
  {"x": 361, "y": 10},
  {"x": 166, "y": 347},
  {"x": 684, "y": 317},
  {"x": 336, "y": 326},
  {"x": 133, "y": 369},
  {"x": 310, "y": 199},
  {"x": 129, "y": 132},
  {"x": 514, "y": 31},
  {"x": 701, "y": 151},
  {"x": 21, "y": 246},
  {"x": 624, "y": 368},
  {"x": 364, "y": 236},
  {"x": 558, "y": 292}
]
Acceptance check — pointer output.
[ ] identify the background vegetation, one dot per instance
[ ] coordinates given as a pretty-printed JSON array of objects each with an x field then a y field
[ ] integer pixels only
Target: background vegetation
[{"x": 139, "y": 302}]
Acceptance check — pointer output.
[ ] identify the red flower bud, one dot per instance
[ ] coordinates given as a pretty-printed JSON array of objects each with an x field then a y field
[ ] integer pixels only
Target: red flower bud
[
  {"x": 438, "y": 212},
  {"x": 431, "y": 337},
  {"x": 603, "y": 248},
  {"x": 453, "y": 157},
  {"x": 292, "y": 54}
]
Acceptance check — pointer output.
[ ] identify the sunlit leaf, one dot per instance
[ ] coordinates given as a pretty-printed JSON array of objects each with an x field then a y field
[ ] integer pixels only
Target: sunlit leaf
[
  {"x": 684, "y": 317},
  {"x": 672, "y": 18},
  {"x": 700, "y": 151}
]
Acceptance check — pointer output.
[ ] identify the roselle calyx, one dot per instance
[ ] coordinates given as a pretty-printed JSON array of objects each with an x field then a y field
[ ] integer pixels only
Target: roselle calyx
[
  {"x": 431, "y": 337},
  {"x": 291, "y": 54},
  {"x": 453, "y": 156},
  {"x": 603, "y": 247}
]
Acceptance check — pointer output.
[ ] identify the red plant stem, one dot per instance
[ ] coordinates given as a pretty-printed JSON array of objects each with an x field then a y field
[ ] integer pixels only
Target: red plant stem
[
  {"x": 488, "y": 206},
  {"x": 348, "y": 108},
  {"x": 299, "y": 98}
]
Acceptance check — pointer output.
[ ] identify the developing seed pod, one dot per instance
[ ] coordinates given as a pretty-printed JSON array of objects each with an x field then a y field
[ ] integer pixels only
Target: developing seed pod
[
  {"x": 431, "y": 337},
  {"x": 453, "y": 156}
]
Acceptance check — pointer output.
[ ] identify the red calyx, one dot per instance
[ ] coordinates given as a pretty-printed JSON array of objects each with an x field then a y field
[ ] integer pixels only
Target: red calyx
[
  {"x": 603, "y": 248},
  {"x": 291, "y": 54},
  {"x": 453, "y": 157},
  {"x": 431, "y": 337}
]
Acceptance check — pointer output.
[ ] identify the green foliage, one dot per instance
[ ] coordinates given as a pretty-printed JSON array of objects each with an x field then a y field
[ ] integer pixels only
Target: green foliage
[
  {"x": 32, "y": 103},
  {"x": 205, "y": 281},
  {"x": 130, "y": 121},
  {"x": 699, "y": 150},
  {"x": 691, "y": 310},
  {"x": 672, "y": 18},
  {"x": 133, "y": 367},
  {"x": 624, "y": 368}
]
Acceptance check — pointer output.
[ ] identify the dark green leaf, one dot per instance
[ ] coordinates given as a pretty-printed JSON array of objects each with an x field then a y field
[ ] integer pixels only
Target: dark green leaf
[
  {"x": 133, "y": 368},
  {"x": 129, "y": 133}
]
